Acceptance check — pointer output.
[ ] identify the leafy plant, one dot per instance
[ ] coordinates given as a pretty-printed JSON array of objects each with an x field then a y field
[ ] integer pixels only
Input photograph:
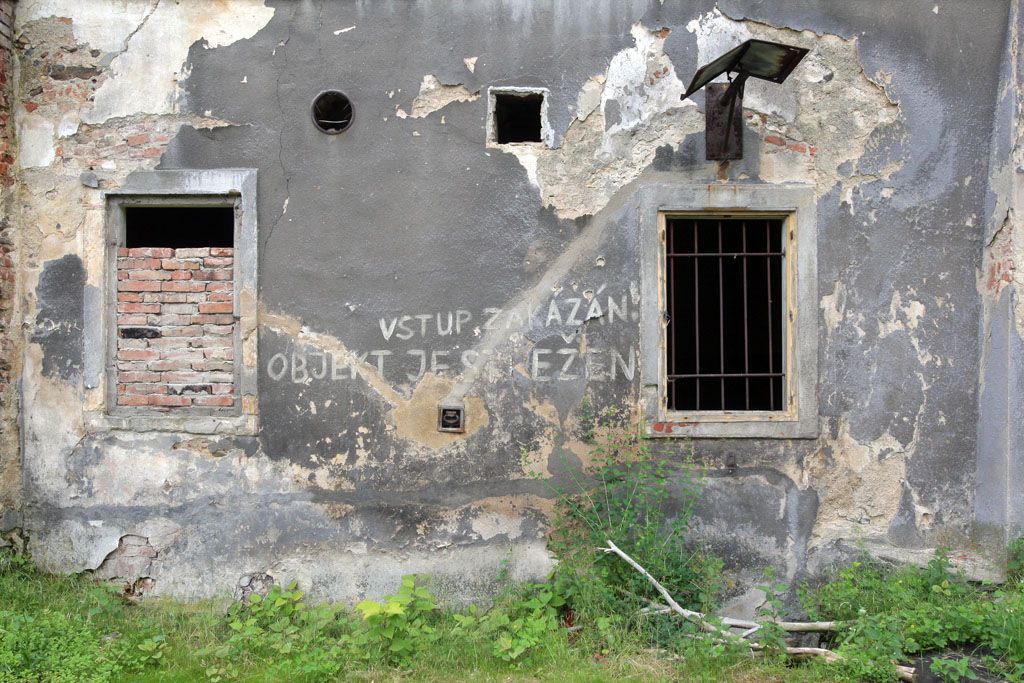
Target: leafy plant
[
  {"x": 644, "y": 505},
  {"x": 954, "y": 669},
  {"x": 524, "y": 624},
  {"x": 151, "y": 650},
  {"x": 772, "y": 636},
  {"x": 1015, "y": 560},
  {"x": 398, "y": 625},
  {"x": 896, "y": 614},
  {"x": 280, "y": 628}
]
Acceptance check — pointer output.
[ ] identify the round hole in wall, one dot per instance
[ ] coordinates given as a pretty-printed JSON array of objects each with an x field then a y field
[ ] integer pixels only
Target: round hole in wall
[{"x": 332, "y": 112}]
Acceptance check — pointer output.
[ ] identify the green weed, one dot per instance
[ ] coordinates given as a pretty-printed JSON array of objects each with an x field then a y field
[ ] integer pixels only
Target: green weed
[
  {"x": 896, "y": 614},
  {"x": 1015, "y": 560},
  {"x": 644, "y": 505}
]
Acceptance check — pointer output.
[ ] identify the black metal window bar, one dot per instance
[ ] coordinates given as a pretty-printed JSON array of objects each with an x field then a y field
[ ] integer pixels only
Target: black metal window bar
[{"x": 724, "y": 309}]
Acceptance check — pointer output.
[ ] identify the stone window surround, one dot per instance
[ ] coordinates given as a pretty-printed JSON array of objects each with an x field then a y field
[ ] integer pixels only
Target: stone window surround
[
  {"x": 231, "y": 187},
  {"x": 794, "y": 203}
]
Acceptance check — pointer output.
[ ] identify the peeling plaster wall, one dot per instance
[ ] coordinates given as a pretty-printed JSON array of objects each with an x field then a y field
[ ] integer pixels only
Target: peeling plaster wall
[
  {"x": 10, "y": 455},
  {"x": 407, "y": 262},
  {"x": 1000, "y": 470}
]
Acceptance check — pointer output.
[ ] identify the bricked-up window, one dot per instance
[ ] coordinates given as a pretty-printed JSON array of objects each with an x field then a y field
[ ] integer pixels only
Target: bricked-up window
[
  {"x": 724, "y": 312},
  {"x": 176, "y": 329}
]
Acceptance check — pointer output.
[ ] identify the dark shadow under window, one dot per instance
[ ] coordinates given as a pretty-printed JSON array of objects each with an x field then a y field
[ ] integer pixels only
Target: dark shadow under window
[
  {"x": 724, "y": 341},
  {"x": 179, "y": 227},
  {"x": 517, "y": 117}
]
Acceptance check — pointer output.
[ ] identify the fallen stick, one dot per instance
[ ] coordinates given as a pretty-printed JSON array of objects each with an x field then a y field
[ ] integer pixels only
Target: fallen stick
[
  {"x": 789, "y": 626},
  {"x": 695, "y": 617},
  {"x": 904, "y": 673}
]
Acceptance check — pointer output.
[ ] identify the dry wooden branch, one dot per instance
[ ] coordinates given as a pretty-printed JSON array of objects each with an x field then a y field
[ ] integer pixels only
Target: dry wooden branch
[
  {"x": 695, "y": 617},
  {"x": 788, "y": 626},
  {"x": 809, "y": 652},
  {"x": 904, "y": 673}
]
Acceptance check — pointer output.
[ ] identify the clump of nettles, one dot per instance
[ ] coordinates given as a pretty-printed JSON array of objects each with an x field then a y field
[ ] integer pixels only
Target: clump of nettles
[
  {"x": 894, "y": 615},
  {"x": 643, "y": 504},
  {"x": 1015, "y": 561}
]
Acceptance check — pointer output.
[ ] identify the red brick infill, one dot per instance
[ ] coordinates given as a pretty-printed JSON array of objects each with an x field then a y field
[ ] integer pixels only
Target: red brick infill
[{"x": 175, "y": 328}]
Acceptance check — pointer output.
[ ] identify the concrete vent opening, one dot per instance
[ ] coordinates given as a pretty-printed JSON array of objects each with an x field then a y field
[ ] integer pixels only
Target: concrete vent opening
[
  {"x": 179, "y": 227},
  {"x": 332, "y": 112},
  {"x": 517, "y": 117}
]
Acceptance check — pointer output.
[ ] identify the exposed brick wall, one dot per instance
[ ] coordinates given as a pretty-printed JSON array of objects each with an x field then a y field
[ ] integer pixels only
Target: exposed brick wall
[
  {"x": 6, "y": 95},
  {"x": 10, "y": 460},
  {"x": 175, "y": 341}
]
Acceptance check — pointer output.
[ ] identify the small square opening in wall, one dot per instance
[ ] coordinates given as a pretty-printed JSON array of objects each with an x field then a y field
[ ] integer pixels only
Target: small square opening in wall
[
  {"x": 451, "y": 419},
  {"x": 518, "y": 117}
]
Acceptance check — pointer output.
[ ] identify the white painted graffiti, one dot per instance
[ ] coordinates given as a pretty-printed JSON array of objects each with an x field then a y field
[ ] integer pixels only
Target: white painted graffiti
[
  {"x": 545, "y": 364},
  {"x": 568, "y": 311}
]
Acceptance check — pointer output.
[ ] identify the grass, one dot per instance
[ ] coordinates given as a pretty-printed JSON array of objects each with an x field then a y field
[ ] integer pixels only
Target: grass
[{"x": 74, "y": 628}]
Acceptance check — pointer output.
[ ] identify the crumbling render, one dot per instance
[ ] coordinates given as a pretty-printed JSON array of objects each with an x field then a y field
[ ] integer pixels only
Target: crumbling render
[
  {"x": 860, "y": 485},
  {"x": 150, "y": 62},
  {"x": 607, "y": 146},
  {"x": 824, "y": 119},
  {"x": 435, "y": 95},
  {"x": 131, "y": 564}
]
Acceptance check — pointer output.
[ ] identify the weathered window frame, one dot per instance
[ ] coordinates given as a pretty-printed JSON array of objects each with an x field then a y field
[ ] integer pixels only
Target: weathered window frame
[
  {"x": 793, "y": 204},
  {"x": 219, "y": 187}
]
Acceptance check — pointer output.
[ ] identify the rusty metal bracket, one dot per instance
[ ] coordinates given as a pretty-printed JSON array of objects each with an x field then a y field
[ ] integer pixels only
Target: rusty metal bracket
[{"x": 723, "y": 120}]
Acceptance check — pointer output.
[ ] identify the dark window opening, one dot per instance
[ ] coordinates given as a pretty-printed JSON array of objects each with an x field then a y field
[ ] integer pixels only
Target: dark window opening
[
  {"x": 724, "y": 307},
  {"x": 517, "y": 117},
  {"x": 332, "y": 112},
  {"x": 179, "y": 227}
]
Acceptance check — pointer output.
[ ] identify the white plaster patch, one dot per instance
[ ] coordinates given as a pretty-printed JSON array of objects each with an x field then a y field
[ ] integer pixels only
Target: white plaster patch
[
  {"x": 102, "y": 24},
  {"x": 608, "y": 146},
  {"x": 68, "y": 125},
  {"x": 35, "y": 141},
  {"x": 491, "y": 524},
  {"x": 589, "y": 98},
  {"x": 716, "y": 35},
  {"x": 527, "y": 157},
  {"x": 901, "y": 316},
  {"x": 436, "y": 95},
  {"x": 638, "y": 93},
  {"x": 144, "y": 78}
]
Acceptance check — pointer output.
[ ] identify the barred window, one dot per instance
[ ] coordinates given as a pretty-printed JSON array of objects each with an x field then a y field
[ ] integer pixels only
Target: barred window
[{"x": 724, "y": 314}]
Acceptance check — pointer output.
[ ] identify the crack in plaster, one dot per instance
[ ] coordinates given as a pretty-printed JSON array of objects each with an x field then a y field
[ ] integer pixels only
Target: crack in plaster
[
  {"x": 280, "y": 136},
  {"x": 144, "y": 76},
  {"x": 128, "y": 38}
]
